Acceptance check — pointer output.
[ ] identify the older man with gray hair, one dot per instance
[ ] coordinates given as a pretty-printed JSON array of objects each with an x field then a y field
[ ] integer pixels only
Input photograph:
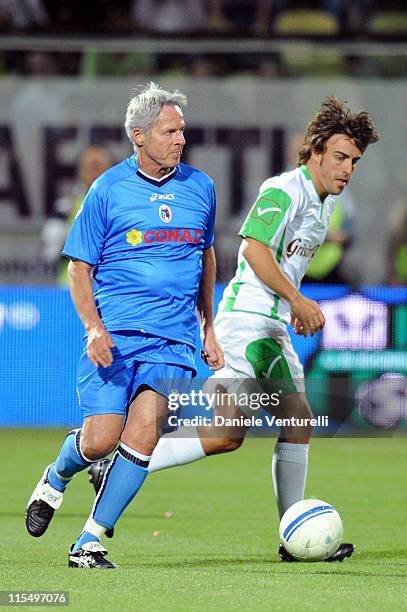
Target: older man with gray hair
[{"x": 145, "y": 234}]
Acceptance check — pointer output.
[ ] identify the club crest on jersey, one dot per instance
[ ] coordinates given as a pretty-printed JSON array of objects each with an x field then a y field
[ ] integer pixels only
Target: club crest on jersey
[{"x": 165, "y": 213}]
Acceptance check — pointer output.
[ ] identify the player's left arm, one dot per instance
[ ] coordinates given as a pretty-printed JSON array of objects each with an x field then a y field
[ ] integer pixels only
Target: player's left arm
[{"x": 213, "y": 353}]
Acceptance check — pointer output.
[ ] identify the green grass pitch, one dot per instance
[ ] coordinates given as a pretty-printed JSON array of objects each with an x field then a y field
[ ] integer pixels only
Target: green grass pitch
[{"x": 218, "y": 550}]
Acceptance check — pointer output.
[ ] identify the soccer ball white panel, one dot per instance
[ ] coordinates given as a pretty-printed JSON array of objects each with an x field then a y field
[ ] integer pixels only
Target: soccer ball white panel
[
  {"x": 383, "y": 402},
  {"x": 311, "y": 530}
]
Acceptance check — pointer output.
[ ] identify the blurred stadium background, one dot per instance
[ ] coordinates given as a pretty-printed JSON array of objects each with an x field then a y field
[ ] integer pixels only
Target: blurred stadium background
[{"x": 254, "y": 72}]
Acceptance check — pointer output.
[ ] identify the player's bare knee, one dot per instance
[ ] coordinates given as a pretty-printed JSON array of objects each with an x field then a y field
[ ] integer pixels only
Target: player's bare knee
[
  {"x": 100, "y": 435},
  {"x": 295, "y": 405},
  {"x": 233, "y": 444},
  {"x": 297, "y": 416},
  {"x": 94, "y": 447},
  {"x": 223, "y": 445},
  {"x": 306, "y": 412}
]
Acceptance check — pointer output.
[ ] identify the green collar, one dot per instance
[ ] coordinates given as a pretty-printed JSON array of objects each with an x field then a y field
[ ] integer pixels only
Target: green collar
[
  {"x": 307, "y": 175},
  {"x": 305, "y": 172}
]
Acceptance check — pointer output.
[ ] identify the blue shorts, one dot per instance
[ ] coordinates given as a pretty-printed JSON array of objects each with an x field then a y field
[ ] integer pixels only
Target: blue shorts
[{"x": 138, "y": 359}]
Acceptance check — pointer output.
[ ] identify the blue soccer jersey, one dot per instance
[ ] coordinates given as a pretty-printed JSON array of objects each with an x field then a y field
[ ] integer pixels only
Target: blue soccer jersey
[{"x": 145, "y": 238}]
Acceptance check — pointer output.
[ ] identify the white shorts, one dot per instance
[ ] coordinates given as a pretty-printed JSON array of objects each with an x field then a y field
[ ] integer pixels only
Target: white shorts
[{"x": 257, "y": 349}]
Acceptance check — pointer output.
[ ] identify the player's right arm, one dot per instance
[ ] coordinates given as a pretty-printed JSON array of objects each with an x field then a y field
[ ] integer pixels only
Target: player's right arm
[
  {"x": 100, "y": 342},
  {"x": 265, "y": 224},
  {"x": 84, "y": 246},
  {"x": 263, "y": 263}
]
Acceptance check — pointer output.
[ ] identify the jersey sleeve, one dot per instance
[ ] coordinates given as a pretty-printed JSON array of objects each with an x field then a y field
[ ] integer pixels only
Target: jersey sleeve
[
  {"x": 88, "y": 232},
  {"x": 210, "y": 228},
  {"x": 267, "y": 215}
]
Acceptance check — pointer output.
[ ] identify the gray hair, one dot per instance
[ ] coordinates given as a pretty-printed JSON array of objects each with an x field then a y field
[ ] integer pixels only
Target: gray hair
[{"x": 144, "y": 108}]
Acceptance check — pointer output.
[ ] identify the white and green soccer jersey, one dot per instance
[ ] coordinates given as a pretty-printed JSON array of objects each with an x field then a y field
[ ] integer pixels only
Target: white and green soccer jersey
[{"x": 289, "y": 217}]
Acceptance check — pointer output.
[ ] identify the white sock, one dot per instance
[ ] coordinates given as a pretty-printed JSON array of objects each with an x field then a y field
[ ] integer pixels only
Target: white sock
[
  {"x": 177, "y": 448},
  {"x": 94, "y": 528},
  {"x": 290, "y": 462}
]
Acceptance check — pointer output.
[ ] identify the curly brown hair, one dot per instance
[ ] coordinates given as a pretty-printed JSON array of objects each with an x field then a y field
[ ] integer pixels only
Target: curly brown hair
[{"x": 335, "y": 117}]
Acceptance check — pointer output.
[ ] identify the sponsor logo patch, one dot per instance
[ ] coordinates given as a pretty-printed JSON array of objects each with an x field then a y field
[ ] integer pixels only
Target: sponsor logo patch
[
  {"x": 300, "y": 247},
  {"x": 266, "y": 210},
  {"x": 193, "y": 236},
  {"x": 134, "y": 237}
]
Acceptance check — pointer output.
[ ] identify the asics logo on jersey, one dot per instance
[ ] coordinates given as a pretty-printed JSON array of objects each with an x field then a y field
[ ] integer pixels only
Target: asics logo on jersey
[
  {"x": 299, "y": 247},
  {"x": 162, "y": 196},
  {"x": 135, "y": 237}
]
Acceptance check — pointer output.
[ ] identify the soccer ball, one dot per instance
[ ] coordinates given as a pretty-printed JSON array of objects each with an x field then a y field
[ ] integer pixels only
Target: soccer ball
[
  {"x": 383, "y": 402},
  {"x": 311, "y": 530}
]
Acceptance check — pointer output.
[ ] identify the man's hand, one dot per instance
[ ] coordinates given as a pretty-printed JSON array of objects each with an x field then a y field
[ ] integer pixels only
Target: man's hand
[
  {"x": 99, "y": 341},
  {"x": 212, "y": 353},
  {"x": 100, "y": 344},
  {"x": 262, "y": 261},
  {"x": 306, "y": 316}
]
